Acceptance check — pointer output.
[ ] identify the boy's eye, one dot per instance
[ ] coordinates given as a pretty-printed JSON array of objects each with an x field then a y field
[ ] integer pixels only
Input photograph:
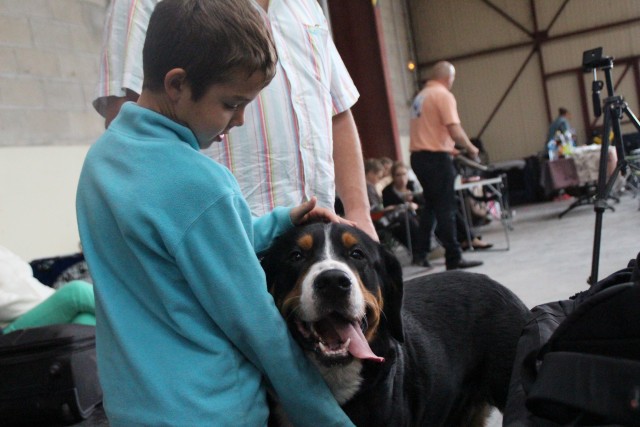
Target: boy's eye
[{"x": 233, "y": 107}]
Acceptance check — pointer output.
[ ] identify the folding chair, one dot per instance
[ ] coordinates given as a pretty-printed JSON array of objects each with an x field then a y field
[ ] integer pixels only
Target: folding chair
[
  {"x": 387, "y": 228},
  {"x": 633, "y": 176}
]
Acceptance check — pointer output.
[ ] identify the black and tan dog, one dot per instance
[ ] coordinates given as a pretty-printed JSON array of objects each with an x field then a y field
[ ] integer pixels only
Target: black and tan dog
[{"x": 434, "y": 351}]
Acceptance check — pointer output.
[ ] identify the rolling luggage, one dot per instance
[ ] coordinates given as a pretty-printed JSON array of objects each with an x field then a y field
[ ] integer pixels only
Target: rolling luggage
[{"x": 48, "y": 375}]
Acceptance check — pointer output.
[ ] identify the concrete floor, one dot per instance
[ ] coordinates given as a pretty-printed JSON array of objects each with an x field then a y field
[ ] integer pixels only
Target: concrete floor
[{"x": 550, "y": 258}]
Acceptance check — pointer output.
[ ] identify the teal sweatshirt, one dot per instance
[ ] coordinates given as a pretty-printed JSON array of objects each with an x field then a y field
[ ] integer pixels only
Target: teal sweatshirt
[{"x": 187, "y": 334}]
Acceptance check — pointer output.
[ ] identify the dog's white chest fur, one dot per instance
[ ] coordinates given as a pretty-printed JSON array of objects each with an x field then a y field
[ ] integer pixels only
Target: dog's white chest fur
[{"x": 343, "y": 380}]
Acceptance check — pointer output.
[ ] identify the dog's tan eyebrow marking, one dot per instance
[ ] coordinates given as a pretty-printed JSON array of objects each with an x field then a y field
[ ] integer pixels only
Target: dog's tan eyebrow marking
[
  {"x": 348, "y": 239},
  {"x": 305, "y": 242}
]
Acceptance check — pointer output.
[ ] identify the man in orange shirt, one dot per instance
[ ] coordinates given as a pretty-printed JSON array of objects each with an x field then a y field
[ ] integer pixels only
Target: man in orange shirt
[{"x": 435, "y": 132}]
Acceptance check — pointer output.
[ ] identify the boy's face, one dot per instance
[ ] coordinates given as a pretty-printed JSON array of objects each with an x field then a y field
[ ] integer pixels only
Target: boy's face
[{"x": 220, "y": 109}]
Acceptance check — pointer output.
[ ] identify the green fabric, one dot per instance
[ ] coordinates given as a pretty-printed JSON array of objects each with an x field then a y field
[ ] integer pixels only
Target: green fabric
[{"x": 72, "y": 303}]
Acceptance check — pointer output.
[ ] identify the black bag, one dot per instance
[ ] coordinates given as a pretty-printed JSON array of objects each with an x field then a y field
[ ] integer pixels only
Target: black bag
[
  {"x": 578, "y": 360},
  {"x": 48, "y": 375},
  {"x": 56, "y": 271}
]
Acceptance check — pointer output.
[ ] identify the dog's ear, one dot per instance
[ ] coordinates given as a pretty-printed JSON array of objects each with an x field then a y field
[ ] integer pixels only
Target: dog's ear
[
  {"x": 393, "y": 292},
  {"x": 269, "y": 261}
]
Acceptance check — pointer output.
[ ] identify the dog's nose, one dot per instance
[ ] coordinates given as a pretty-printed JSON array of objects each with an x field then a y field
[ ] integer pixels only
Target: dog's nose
[{"x": 333, "y": 282}]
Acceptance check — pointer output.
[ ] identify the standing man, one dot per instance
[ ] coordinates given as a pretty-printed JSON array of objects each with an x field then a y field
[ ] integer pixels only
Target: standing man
[
  {"x": 299, "y": 138},
  {"x": 435, "y": 131}
]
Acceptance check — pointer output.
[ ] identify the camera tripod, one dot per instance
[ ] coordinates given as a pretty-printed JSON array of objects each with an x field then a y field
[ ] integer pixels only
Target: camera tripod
[{"x": 614, "y": 107}]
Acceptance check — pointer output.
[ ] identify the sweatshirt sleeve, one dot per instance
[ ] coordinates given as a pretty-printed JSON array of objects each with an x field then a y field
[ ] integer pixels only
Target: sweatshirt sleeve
[
  {"x": 269, "y": 226},
  {"x": 219, "y": 261}
]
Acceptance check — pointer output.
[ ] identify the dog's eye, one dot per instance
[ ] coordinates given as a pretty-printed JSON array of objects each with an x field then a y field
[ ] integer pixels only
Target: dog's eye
[
  {"x": 357, "y": 254},
  {"x": 295, "y": 256}
]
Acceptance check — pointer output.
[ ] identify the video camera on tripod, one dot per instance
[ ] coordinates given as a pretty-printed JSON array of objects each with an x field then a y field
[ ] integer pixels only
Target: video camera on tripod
[{"x": 613, "y": 107}]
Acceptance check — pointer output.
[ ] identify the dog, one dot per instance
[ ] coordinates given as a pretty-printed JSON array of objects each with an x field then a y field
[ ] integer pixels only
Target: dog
[{"x": 435, "y": 351}]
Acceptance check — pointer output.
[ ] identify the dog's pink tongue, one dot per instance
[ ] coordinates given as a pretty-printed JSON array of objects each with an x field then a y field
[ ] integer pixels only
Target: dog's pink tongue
[{"x": 358, "y": 347}]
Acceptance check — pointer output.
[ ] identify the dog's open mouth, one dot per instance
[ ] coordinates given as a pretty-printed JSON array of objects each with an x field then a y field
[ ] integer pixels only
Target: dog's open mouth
[{"x": 336, "y": 340}]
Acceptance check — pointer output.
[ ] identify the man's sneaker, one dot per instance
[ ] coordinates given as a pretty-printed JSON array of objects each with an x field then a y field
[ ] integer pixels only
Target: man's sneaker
[{"x": 463, "y": 263}]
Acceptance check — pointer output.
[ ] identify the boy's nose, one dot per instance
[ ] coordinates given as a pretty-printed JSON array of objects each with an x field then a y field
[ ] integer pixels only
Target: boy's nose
[{"x": 238, "y": 118}]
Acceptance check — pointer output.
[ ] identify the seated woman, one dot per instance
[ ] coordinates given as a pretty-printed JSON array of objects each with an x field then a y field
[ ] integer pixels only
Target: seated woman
[
  {"x": 395, "y": 217},
  {"x": 402, "y": 190},
  {"x": 27, "y": 303}
]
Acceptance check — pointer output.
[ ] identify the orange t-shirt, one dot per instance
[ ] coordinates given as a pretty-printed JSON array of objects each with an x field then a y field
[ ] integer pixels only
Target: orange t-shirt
[{"x": 433, "y": 109}]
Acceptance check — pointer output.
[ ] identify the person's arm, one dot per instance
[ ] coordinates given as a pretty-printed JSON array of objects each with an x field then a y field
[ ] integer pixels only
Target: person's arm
[
  {"x": 216, "y": 257},
  {"x": 112, "y": 105},
  {"x": 265, "y": 228},
  {"x": 309, "y": 212},
  {"x": 349, "y": 171},
  {"x": 120, "y": 72},
  {"x": 461, "y": 139}
]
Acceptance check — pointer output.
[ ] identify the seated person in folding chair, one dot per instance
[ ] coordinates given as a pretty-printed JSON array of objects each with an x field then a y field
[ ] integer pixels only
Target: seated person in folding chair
[
  {"x": 402, "y": 190},
  {"x": 471, "y": 201},
  {"x": 476, "y": 241},
  {"x": 395, "y": 218},
  {"x": 386, "y": 179}
]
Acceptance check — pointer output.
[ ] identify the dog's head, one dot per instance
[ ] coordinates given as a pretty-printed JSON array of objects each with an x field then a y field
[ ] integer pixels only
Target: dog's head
[{"x": 337, "y": 289}]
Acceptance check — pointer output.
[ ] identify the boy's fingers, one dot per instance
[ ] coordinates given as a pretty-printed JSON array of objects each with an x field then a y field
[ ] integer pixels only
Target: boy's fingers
[
  {"x": 309, "y": 204},
  {"x": 347, "y": 222},
  {"x": 300, "y": 213}
]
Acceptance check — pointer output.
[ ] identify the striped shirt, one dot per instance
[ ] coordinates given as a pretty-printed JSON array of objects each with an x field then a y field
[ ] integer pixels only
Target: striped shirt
[
  {"x": 125, "y": 28},
  {"x": 283, "y": 153}
]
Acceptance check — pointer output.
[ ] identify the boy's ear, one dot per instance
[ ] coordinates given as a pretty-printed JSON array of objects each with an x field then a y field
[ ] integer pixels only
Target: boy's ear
[{"x": 175, "y": 83}]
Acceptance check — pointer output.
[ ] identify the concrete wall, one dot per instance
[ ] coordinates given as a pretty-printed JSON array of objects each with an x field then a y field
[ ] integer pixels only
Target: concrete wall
[
  {"x": 48, "y": 69},
  {"x": 37, "y": 194}
]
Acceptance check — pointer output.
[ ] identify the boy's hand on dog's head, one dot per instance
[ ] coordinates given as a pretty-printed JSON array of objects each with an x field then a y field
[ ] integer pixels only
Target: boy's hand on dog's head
[{"x": 309, "y": 212}]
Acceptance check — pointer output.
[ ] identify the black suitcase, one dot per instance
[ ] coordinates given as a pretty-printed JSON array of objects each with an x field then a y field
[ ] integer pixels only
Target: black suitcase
[{"x": 48, "y": 375}]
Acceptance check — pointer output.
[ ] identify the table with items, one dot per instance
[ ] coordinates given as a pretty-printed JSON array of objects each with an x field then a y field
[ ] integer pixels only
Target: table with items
[{"x": 577, "y": 174}]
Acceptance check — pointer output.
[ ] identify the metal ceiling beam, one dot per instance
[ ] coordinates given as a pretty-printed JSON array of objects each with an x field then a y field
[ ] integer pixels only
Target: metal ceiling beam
[
  {"x": 538, "y": 39},
  {"x": 508, "y": 18},
  {"x": 506, "y": 93},
  {"x": 545, "y": 89},
  {"x": 557, "y": 15},
  {"x": 541, "y": 39},
  {"x": 623, "y": 60}
]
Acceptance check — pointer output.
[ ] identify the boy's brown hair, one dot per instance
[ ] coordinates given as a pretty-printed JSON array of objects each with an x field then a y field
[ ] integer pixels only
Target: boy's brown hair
[{"x": 212, "y": 40}]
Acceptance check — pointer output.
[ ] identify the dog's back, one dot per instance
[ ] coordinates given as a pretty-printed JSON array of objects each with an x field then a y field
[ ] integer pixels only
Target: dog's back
[
  {"x": 461, "y": 331},
  {"x": 475, "y": 322}
]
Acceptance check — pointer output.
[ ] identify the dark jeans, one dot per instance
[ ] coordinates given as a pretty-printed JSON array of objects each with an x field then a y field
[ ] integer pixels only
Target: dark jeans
[{"x": 436, "y": 173}]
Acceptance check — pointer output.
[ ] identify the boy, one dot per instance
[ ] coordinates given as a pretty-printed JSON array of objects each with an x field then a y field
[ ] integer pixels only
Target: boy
[{"x": 187, "y": 332}]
